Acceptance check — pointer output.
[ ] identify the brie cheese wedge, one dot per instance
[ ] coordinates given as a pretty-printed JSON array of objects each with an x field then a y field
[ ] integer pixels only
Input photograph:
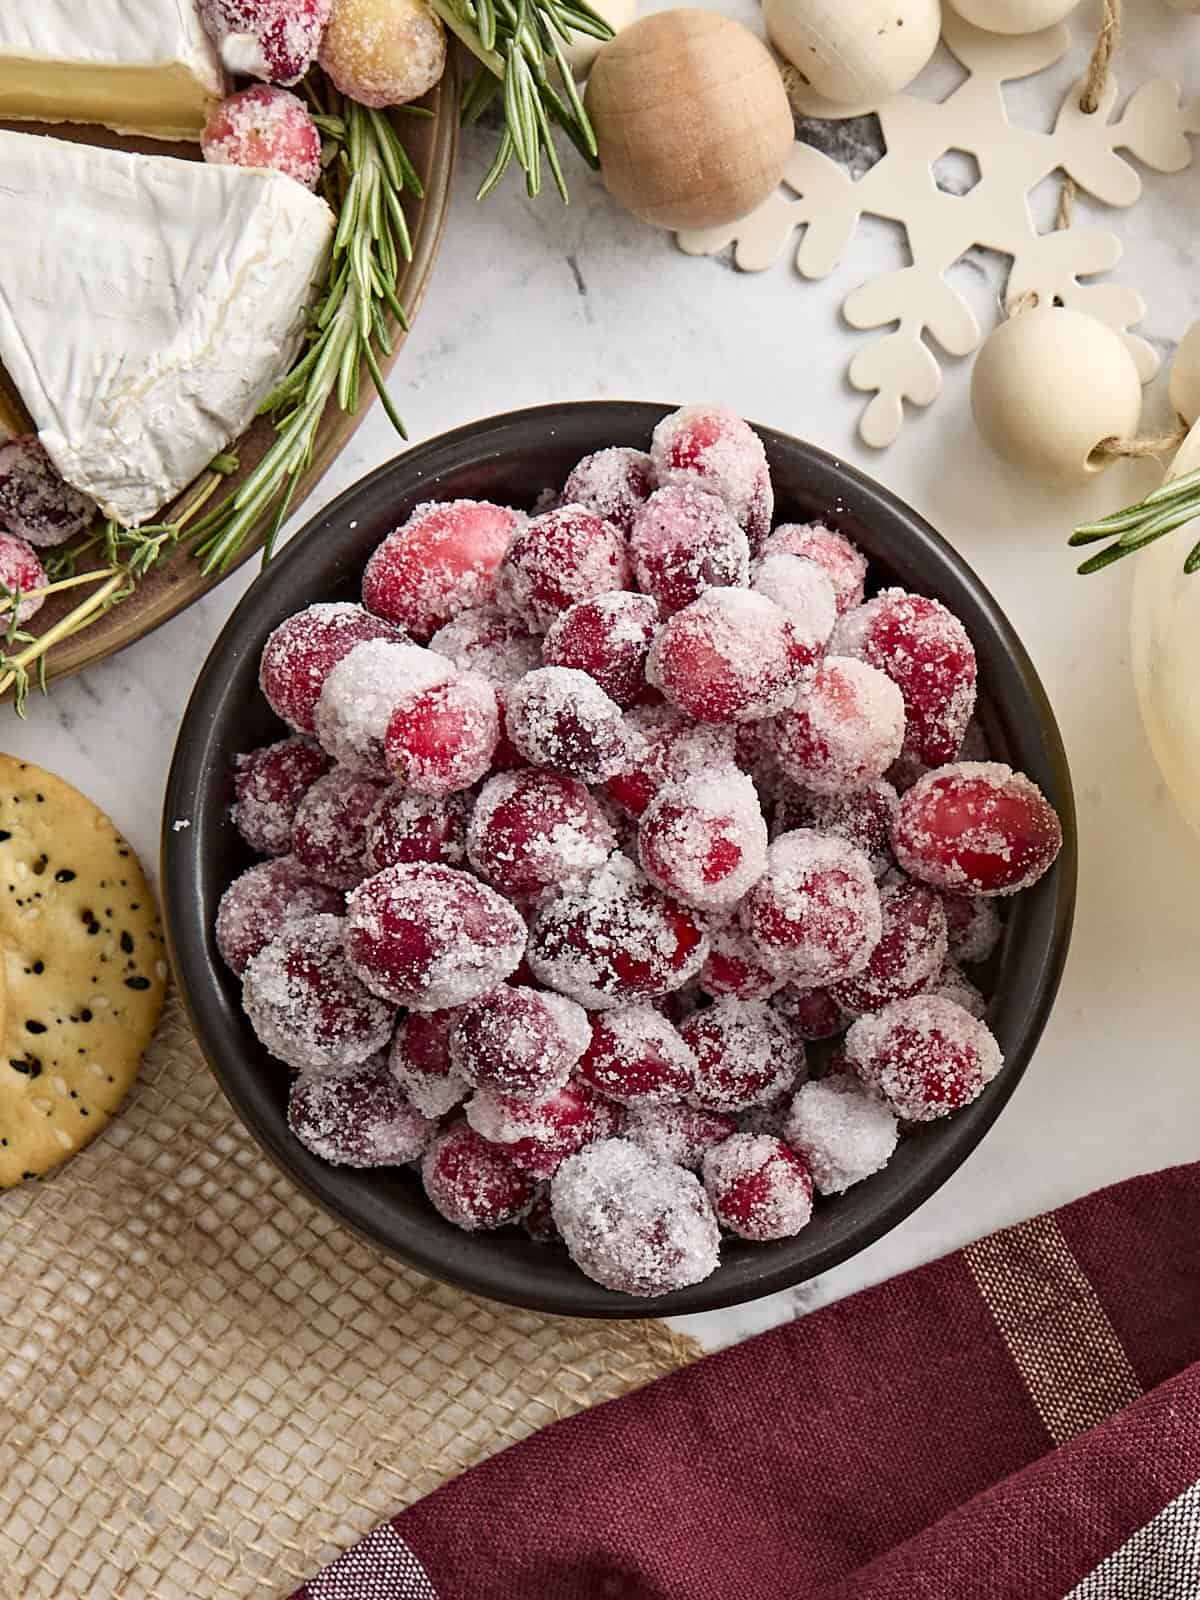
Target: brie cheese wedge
[
  {"x": 139, "y": 66},
  {"x": 147, "y": 306}
]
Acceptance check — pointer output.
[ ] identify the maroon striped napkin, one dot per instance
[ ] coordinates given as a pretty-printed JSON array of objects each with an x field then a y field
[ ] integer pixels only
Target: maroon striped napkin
[{"x": 1019, "y": 1420}]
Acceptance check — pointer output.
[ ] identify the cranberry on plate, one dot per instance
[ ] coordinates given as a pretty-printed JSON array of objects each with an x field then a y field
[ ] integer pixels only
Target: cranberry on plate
[{"x": 976, "y": 828}]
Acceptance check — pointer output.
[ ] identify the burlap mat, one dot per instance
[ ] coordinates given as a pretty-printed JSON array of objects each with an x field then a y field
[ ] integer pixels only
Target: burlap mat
[{"x": 207, "y": 1388}]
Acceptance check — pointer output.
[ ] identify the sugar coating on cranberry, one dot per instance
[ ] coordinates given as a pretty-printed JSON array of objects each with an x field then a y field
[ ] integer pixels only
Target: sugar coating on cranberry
[
  {"x": 557, "y": 559},
  {"x": 264, "y": 127},
  {"x": 268, "y": 785},
  {"x": 636, "y": 1057},
  {"x": 950, "y": 982},
  {"x": 734, "y": 969},
  {"x": 925, "y": 651},
  {"x": 21, "y": 575},
  {"x": 811, "y": 1014},
  {"x": 261, "y": 902},
  {"x": 632, "y": 1223},
  {"x": 815, "y": 913},
  {"x": 533, "y": 830},
  {"x": 472, "y": 1182},
  {"x": 685, "y": 541},
  {"x": 276, "y": 40},
  {"x": 973, "y": 926},
  {"x": 329, "y": 832},
  {"x": 731, "y": 656},
  {"x": 666, "y": 747},
  {"x": 910, "y": 951},
  {"x": 744, "y": 1055},
  {"x": 759, "y": 1188},
  {"x": 924, "y": 1057},
  {"x": 704, "y": 840},
  {"x": 678, "y": 1133},
  {"x": 843, "y": 563},
  {"x": 419, "y": 1060},
  {"x": 440, "y": 562},
  {"x": 483, "y": 639},
  {"x": 845, "y": 731},
  {"x": 35, "y": 503},
  {"x": 710, "y": 447},
  {"x": 976, "y": 828},
  {"x": 360, "y": 693},
  {"x": 404, "y": 827},
  {"x": 842, "y": 1133},
  {"x": 539, "y": 1132},
  {"x": 305, "y": 1003},
  {"x": 616, "y": 940},
  {"x": 558, "y": 717},
  {"x": 428, "y": 937},
  {"x": 442, "y": 739},
  {"x": 613, "y": 483},
  {"x": 302, "y": 651},
  {"x": 609, "y": 638},
  {"x": 517, "y": 1040},
  {"x": 802, "y": 588},
  {"x": 863, "y": 817},
  {"x": 357, "y": 1120}
]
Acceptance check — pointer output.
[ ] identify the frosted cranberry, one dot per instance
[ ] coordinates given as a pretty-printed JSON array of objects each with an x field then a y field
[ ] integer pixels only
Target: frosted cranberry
[
  {"x": 438, "y": 563},
  {"x": 636, "y": 1057},
  {"x": 802, "y": 588},
  {"x": 976, "y": 828},
  {"x": 472, "y": 1182},
  {"x": 269, "y": 784},
  {"x": 667, "y": 748},
  {"x": 811, "y": 1014},
  {"x": 924, "y": 1057},
  {"x": 35, "y": 504},
  {"x": 20, "y": 573},
  {"x": 557, "y": 559},
  {"x": 533, "y": 830},
  {"x": 405, "y": 827},
  {"x": 301, "y": 652},
  {"x": 557, "y": 717},
  {"x": 608, "y": 638},
  {"x": 632, "y": 1223},
  {"x": 485, "y": 641},
  {"x": 615, "y": 941},
  {"x": 814, "y": 914},
  {"x": 264, "y": 127},
  {"x": 518, "y": 1041},
  {"x": 759, "y": 1188},
  {"x": 358, "y": 1120},
  {"x": 925, "y": 651},
  {"x": 262, "y": 901},
  {"x": 419, "y": 1060},
  {"x": 538, "y": 1134},
  {"x": 427, "y": 937},
  {"x": 276, "y": 40},
  {"x": 683, "y": 542},
  {"x": 950, "y": 982},
  {"x": 864, "y": 817},
  {"x": 360, "y": 693},
  {"x": 442, "y": 739},
  {"x": 677, "y": 1133},
  {"x": 704, "y": 840},
  {"x": 734, "y": 969},
  {"x": 841, "y": 1133},
  {"x": 973, "y": 926},
  {"x": 744, "y": 1055},
  {"x": 613, "y": 483},
  {"x": 910, "y": 951},
  {"x": 305, "y": 1003},
  {"x": 844, "y": 564},
  {"x": 731, "y": 656},
  {"x": 329, "y": 834},
  {"x": 711, "y": 448},
  {"x": 845, "y": 732}
]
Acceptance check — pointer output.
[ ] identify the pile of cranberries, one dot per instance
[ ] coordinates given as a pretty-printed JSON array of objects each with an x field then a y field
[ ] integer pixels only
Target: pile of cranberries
[{"x": 621, "y": 863}]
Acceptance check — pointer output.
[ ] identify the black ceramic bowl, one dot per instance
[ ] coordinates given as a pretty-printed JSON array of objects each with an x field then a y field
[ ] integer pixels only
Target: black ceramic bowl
[{"x": 511, "y": 459}]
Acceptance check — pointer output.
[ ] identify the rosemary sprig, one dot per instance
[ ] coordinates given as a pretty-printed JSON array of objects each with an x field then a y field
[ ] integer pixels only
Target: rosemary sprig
[
  {"x": 1160, "y": 513},
  {"x": 519, "y": 46}
]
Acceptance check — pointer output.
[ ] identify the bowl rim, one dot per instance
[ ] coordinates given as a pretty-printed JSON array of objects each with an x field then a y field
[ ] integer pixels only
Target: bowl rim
[{"x": 189, "y": 940}]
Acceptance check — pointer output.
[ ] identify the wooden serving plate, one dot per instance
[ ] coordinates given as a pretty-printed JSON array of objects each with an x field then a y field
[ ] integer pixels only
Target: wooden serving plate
[{"x": 176, "y": 582}]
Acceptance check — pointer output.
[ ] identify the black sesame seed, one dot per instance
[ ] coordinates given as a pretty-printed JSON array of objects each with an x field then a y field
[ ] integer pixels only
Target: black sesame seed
[
  {"x": 28, "y": 1066},
  {"x": 4, "y": 835},
  {"x": 40, "y": 865},
  {"x": 127, "y": 943},
  {"x": 87, "y": 916},
  {"x": 64, "y": 875},
  {"x": 39, "y": 967},
  {"x": 137, "y": 983},
  {"x": 85, "y": 1015},
  {"x": 32, "y": 1026},
  {"x": 84, "y": 1112}
]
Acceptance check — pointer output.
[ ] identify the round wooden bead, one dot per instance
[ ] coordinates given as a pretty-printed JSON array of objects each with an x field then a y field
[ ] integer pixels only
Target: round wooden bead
[
  {"x": 691, "y": 119},
  {"x": 853, "y": 53},
  {"x": 1049, "y": 386},
  {"x": 582, "y": 49},
  {"x": 1184, "y": 387},
  {"x": 1014, "y": 16}
]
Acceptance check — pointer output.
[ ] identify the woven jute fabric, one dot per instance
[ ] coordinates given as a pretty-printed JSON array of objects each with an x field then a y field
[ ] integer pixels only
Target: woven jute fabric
[{"x": 208, "y": 1388}]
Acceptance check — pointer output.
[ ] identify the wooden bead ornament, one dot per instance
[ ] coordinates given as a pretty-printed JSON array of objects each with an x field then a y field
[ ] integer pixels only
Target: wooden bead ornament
[
  {"x": 1015, "y": 16},
  {"x": 582, "y": 49},
  {"x": 849, "y": 56},
  {"x": 691, "y": 117},
  {"x": 1050, "y": 387},
  {"x": 1184, "y": 386}
]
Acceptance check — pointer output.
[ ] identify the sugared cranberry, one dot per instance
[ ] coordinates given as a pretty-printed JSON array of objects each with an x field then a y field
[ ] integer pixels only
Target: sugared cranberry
[
  {"x": 558, "y": 717},
  {"x": 950, "y": 982},
  {"x": 264, "y": 127},
  {"x": 612, "y": 483},
  {"x": 925, "y": 651},
  {"x": 636, "y": 1057},
  {"x": 405, "y": 827},
  {"x": 842, "y": 1134},
  {"x": 924, "y": 1057},
  {"x": 678, "y": 1133},
  {"x": 744, "y": 1055},
  {"x": 35, "y": 504},
  {"x": 844, "y": 564},
  {"x": 976, "y": 828},
  {"x": 864, "y": 817},
  {"x": 260, "y": 903},
  {"x": 802, "y": 588},
  {"x": 329, "y": 834},
  {"x": 485, "y": 640},
  {"x": 557, "y": 559},
  {"x": 21, "y": 575},
  {"x": 711, "y": 448},
  {"x": 973, "y": 927},
  {"x": 759, "y": 1188},
  {"x": 814, "y": 914},
  {"x": 472, "y": 1182},
  {"x": 910, "y": 951},
  {"x": 845, "y": 732},
  {"x": 443, "y": 560},
  {"x": 360, "y": 693},
  {"x": 305, "y": 1003},
  {"x": 268, "y": 785},
  {"x": 539, "y": 1133},
  {"x": 360, "y": 1119},
  {"x": 668, "y": 748},
  {"x": 811, "y": 1014},
  {"x": 442, "y": 739},
  {"x": 704, "y": 840},
  {"x": 276, "y": 40},
  {"x": 608, "y": 638},
  {"x": 419, "y": 1060},
  {"x": 733, "y": 969},
  {"x": 429, "y": 937},
  {"x": 518, "y": 1041},
  {"x": 683, "y": 542},
  {"x": 534, "y": 830},
  {"x": 731, "y": 656},
  {"x": 302, "y": 651}
]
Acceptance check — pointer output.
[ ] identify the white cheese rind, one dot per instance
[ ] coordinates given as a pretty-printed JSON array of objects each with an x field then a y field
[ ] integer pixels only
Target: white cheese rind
[{"x": 151, "y": 306}]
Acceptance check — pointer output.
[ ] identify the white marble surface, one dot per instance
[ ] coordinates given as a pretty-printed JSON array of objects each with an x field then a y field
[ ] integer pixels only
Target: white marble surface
[{"x": 532, "y": 303}]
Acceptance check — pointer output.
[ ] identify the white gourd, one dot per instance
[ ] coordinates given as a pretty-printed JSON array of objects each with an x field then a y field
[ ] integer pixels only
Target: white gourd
[{"x": 854, "y": 53}]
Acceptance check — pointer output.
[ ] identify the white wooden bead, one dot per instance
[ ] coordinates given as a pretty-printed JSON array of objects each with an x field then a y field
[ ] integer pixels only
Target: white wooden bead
[
  {"x": 582, "y": 49},
  {"x": 854, "y": 52},
  {"x": 1050, "y": 385},
  {"x": 1015, "y": 16},
  {"x": 1184, "y": 387}
]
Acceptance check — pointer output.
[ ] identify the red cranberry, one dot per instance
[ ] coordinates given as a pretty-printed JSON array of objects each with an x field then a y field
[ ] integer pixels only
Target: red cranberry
[
  {"x": 845, "y": 732},
  {"x": 359, "y": 1120},
  {"x": 677, "y": 1133},
  {"x": 262, "y": 901},
  {"x": 21, "y": 575},
  {"x": 811, "y": 1014},
  {"x": 814, "y": 915},
  {"x": 731, "y": 656},
  {"x": 405, "y": 827},
  {"x": 924, "y": 1056},
  {"x": 534, "y": 830},
  {"x": 608, "y": 638},
  {"x": 264, "y": 127},
  {"x": 637, "y": 1058},
  {"x": 484, "y": 640},
  {"x": 841, "y": 1133},
  {"x": 973, "y": 926},
  {"x": 801, "y": 588},
  {"x": 419, "y": 1060},
  {"x": 438, "y": 563},
  {"x": 844, "y": 563},
  {"x": 276, "y": 40},
  {"x": 950, "y": 982},
  {"x": 611, "y": 483},
  {"x": 329, "y": 834},
  {"x": 269, "y": 784},
  {"x": 744, "y": 1055},
  {"x": 733, "y": 969},
  {"x": 442, "y": 739},
  {"x": 518, "y": 1041},
  {"x": 976, "y": 828},
  {"x": 910, "y": 951},
  {"x": 539, "y": 1133},
  {"x": 472, "y": 1182},
  {"x": 557, "y": 717},
  {"x": 711, "y": 448},
  {"x": 683, "y": 542},
  {"x": 704, "y": 840},
  {"x": 360, "y": 693},
  {"x": 864, "y": 817},
  {"x": 35, "y": 504},
  {"x": 759, "y": 1188},
  {"x": 669, "y": 748},
  {"x": 557, "y": 559},
  {"x": 302, "y": 651}
]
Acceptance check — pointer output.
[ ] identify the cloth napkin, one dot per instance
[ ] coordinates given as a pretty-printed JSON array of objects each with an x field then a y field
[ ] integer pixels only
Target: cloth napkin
[{"x": 1018, "y": 1420}]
